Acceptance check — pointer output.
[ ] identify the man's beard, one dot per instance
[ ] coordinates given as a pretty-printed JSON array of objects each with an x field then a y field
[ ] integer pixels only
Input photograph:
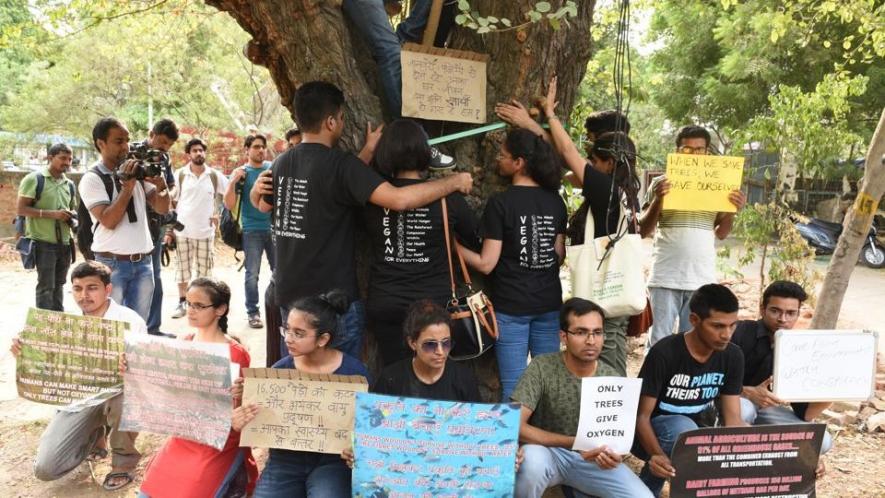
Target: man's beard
[{"x": 198, "y": 160}]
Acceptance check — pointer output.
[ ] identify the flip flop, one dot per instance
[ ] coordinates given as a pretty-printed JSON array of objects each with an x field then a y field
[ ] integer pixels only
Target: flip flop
[{"x": 122, "y": 484}]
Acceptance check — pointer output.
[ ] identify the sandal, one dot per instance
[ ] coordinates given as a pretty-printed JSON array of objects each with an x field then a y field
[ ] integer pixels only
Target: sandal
[{"x": 127, "y": 480}]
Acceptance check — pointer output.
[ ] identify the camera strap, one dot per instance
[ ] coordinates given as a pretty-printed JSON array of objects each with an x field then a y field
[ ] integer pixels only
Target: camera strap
[{"x": 130, "y": 208}]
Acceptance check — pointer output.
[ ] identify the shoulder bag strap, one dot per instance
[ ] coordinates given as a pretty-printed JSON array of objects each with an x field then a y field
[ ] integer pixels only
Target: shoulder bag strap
[{"x": 445, "y": 218}]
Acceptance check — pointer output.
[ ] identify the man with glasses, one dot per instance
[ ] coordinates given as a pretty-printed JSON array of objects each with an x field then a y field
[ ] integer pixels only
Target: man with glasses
[
  {"x": 550, "y": 394},
  {"x": 684, "y": 256},
  {"x": 781, "y": 302}
]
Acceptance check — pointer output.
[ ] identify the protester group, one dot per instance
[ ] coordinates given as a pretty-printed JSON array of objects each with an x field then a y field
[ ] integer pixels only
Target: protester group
[{"x": 703, "y": 367}]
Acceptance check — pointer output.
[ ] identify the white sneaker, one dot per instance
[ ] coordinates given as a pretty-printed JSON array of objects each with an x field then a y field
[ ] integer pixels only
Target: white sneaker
[
  {"x": 180, "y": 310},
  {"x": 438, "y": 160}
]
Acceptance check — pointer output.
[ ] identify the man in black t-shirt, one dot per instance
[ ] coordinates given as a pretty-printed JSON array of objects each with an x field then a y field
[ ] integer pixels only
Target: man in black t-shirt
[
  {"x": 682, "y": 377},
  {"x": 780, "y": 306},
  {"x": 313, "y": 191}
]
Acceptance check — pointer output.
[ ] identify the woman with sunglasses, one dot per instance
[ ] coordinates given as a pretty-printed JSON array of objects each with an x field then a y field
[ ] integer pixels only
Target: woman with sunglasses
[
  {"x": 309, "y": 330},
  {"x": 184, "y": 468}
]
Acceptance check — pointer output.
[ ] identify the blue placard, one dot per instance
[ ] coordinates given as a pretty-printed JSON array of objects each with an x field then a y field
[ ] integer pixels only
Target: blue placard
[{"x": 418, "y": 448}]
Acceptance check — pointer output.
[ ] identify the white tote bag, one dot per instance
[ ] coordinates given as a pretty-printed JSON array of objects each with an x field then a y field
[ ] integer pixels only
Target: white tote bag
[{"x": 614, "y": 281}]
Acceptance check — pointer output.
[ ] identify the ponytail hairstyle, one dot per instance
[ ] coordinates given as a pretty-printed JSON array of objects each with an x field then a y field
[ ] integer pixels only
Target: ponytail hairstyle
[
  {"x": 618, "y": 148},
  {"x": 540, "y": 162},
  {"x": 323, "y": 311},
  {"x": 219, "y": 295}
]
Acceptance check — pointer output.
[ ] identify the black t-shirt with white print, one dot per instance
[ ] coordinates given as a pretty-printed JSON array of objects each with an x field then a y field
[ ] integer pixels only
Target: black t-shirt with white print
[
  {"x": 316, "y": 191},
  {"x": 409, "y": 248},
  {"x": 526, "y": 220},
  {"x": 681, "y": 384}
]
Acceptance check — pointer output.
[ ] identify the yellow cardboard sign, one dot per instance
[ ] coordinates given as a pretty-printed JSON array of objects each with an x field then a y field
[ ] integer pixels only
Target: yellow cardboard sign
[
  {"x": 443, "y": 85},
  {"x": 702, "y": 183}
]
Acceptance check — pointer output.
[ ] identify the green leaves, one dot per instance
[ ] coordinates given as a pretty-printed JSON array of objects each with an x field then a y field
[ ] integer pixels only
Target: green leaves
[{"x": 541, "y": 11}]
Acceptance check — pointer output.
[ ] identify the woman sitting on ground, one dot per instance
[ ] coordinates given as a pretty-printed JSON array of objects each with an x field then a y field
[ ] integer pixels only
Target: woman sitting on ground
[
  {"x": 309, "y": 330},
  {"x": 187, "y": 469}
]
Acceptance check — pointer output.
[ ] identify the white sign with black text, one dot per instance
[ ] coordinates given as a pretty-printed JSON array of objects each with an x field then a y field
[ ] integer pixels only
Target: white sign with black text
[{"x": 608, "y": 413}]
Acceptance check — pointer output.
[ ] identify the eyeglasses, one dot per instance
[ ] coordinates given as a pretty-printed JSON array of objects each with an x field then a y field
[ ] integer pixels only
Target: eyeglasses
[
  {"x": 295, "y": 334},
  {"x": 779, "y": 313},
  {"x": 584, "y": 333},
  {"x": 685, "y": 149},
  {"x": 199, "y": 306},
  {"x": 432, "y": 346}
]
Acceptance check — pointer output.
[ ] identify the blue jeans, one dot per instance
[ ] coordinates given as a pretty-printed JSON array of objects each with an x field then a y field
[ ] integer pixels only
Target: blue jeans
[
  {"x": 133, "y": 283},
  {"x": 667, "y": 428},
  {"x": 517, "y": 337},
  {"x": 667, "y": 305},
  {"x": 777, "y": 415},
  {"x": 303, "y": 475},
  {"x": 349, "y": 336},
  {"x": 52, "y": 262},
  {"x": 254, "y": 245},
  {"x": 545, "y": 467},
  {"x": 370, "y": 19},
  {"x": 154, "y": 317}
]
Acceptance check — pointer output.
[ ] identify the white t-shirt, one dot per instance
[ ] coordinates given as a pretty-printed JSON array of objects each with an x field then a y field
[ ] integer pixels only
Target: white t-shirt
[
  {"x": 684, "y": 255},
  {"x": 196, "y": 201},
  {"x": 124, "y": 314},
  {"x": 128, "y": 237}
]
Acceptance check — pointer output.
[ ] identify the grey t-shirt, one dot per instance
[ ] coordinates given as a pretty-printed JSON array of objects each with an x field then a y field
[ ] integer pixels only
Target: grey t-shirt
[{"x": 553, "y": 393}]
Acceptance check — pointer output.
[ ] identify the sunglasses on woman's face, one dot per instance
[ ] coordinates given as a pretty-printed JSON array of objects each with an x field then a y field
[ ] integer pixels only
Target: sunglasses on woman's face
[{"x": 432, "y": 346}]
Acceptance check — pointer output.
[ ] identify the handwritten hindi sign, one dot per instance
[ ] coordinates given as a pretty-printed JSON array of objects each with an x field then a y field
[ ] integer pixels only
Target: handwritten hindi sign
[
  {"x": 415, "y": 448},
  {"x": 179, "y": 388},
  {"x": 608, "y": 413},
  {"x": 300, "y": 411},
  {"x": 824, "y": 365},
  {"x": 702, "y": 183},
  {"x": 67, "y": 357},
  {"x": 771, "y": 461},
  {"x": 443, "y": 85}
]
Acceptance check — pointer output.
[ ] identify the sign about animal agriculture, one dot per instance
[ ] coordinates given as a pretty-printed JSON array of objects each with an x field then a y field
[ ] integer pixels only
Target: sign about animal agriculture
[
  {"x": 762, "y": 461},
  {"x": 608, "y": 413},
  {"x": 825, "y": 365},
  {"x": 179, "y": 388},
  {"x": 300, "y": 411},
  {"x": 65, "y": 358},
  {"x": 702, "y": 183},
  {"x": 412, "y": 447},
  {"x": 443, "y": 85}
]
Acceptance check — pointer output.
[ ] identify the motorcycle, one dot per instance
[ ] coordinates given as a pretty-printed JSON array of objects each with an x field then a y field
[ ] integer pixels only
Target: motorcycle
[{"x": 822, "y": 236}]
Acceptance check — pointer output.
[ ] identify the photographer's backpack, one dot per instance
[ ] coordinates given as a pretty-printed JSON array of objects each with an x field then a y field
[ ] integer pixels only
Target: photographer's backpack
[
  {"x": 231, "y": 231},
  {"x": 87, "y": 228}
]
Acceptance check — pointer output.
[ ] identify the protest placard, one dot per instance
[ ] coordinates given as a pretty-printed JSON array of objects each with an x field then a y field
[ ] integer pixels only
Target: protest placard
[
  {"x": 760, "y": 461},
  {"x": 410, "y": 447},
  {"x": 179, "y": 388},
  {"x": 824, "y": 365},
  {"x": 66, "y": 357},
  {"x": 608, "y": 413},
  {"x": 702, "y": 183},
  {"x": 300, "y": 411},
  {"x": 443, "y": 85}
]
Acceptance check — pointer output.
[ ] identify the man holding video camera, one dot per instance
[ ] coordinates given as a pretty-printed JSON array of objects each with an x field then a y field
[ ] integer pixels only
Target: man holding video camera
[{"x": 117, "y": 191}]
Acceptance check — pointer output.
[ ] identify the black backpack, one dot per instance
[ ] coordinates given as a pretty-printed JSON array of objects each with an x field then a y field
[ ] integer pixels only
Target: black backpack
[
  {"x": 231, "y": 231},
  {"x": 87, "y": 228}
]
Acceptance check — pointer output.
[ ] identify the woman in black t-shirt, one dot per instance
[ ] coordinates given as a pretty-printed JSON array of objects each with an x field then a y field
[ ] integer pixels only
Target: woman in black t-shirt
[
  {"x": 524, "y": 244},
  {"x": 409, "y": 247}
]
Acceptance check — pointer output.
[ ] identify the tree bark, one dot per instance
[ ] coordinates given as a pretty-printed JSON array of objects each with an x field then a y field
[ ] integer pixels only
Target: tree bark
[{"x": 856, "y": 227}]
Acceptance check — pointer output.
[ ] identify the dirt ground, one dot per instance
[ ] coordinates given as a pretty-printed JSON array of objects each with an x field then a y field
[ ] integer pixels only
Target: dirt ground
[{"x": 856, "y": 465}]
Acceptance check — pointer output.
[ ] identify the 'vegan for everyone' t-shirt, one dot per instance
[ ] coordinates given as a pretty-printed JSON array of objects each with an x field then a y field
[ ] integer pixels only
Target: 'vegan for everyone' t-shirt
[
  {"x": 410, "y": 258},
  {"x": 682, "y": 385},
  {"x": 526, "y": 220},
  {"x": 316, "y": 189},
  {"x": 553, "y": 393},
  {"x": 457, "y": 383}
]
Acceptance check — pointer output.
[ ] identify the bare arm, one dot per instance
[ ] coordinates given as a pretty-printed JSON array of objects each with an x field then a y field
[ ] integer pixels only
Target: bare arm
[
  {"x": 530, "y": 434},
  {"x": 421, "y": 194},
  {"x": 562, "y": 142},
  {"x": 659, "y": 462},
  {"x": 725, "y": 221},
  {"x": 110, "y": 215},
  {"x": 487, "y": 259},
  {"x": 372, "y": 137},
  {"x": 648, "y": 220},
  {"x": 263, "y": 186},
  {"x": 24, "y": 207},
  {"x": 230, "y": 195},
  {"x": 559, "y": 247},
  {"x": 155, "y": 198},
  {"x": 731, "y": 411},
  {"x": 815, "y": 409},
  {"x": 515, "y": 114}
]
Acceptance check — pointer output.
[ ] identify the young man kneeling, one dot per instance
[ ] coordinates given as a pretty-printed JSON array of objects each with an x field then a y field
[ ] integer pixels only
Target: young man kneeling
[{"x": 550, "y": 394}]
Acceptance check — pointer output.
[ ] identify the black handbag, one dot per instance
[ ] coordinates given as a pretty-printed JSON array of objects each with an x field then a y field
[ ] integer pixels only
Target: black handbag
[{"x": 473, "y": 324}]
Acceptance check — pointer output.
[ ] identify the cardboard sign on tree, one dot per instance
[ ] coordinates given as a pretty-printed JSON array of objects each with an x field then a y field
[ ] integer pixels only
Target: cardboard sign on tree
[{"x": 443, "y": 85}]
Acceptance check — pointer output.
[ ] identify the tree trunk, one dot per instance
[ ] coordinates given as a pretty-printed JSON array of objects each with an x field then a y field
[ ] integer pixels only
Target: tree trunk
[{"x": 857, "y": 226}]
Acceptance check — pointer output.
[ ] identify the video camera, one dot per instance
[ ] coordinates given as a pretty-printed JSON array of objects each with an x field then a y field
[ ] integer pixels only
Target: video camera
[
  {"x": 151, "y": 162},
  {"x": 170, "y": 218}
]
